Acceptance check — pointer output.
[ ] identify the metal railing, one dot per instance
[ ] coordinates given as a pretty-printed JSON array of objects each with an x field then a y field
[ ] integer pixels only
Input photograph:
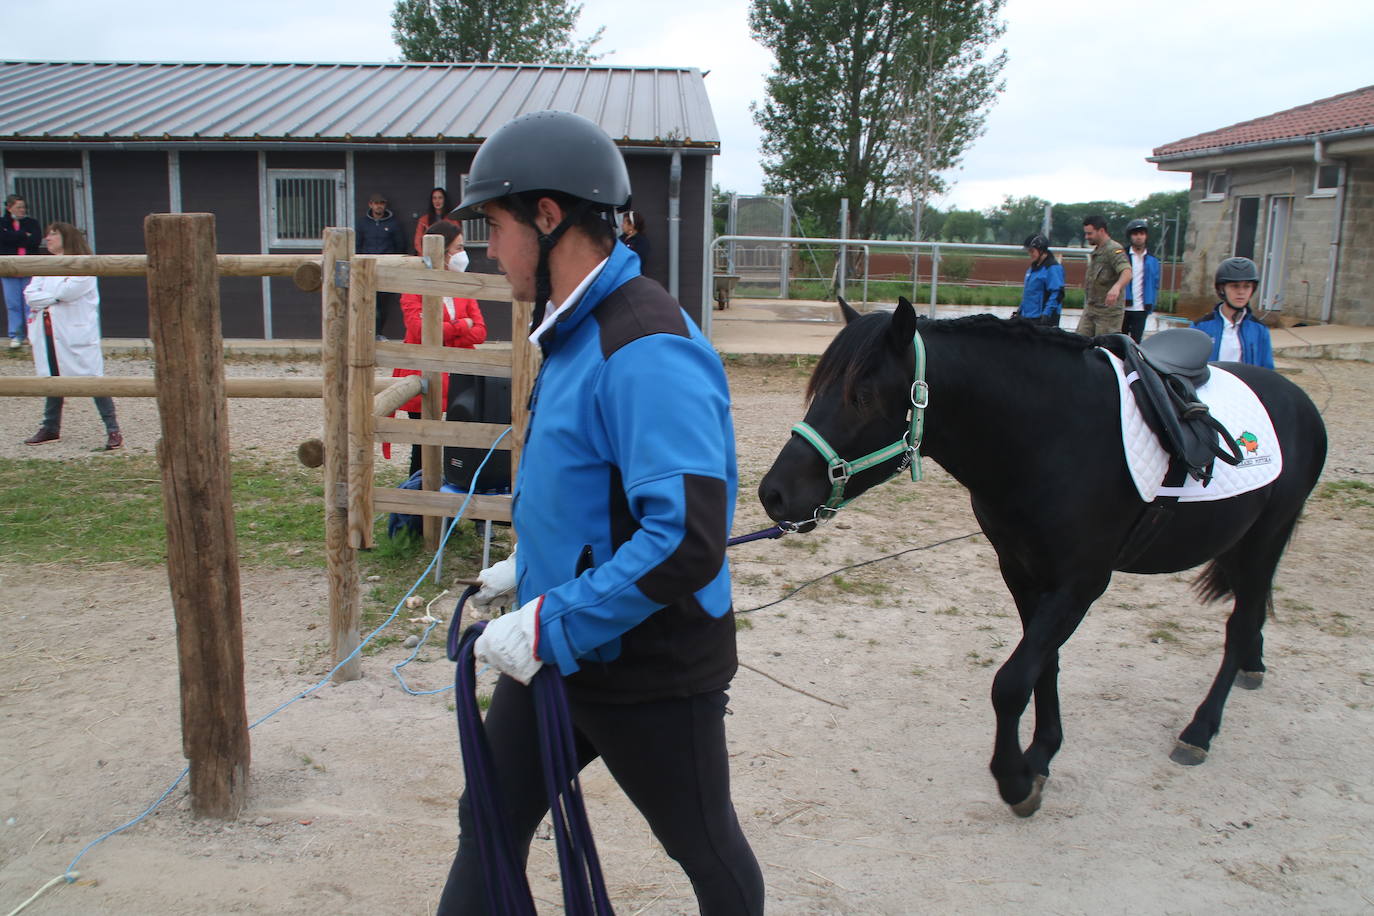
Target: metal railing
[{"x": 915, "y": 249}]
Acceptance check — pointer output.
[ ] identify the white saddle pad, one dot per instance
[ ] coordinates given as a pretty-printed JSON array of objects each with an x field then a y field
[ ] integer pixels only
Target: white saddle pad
[{"x": 1236, "y": 407}]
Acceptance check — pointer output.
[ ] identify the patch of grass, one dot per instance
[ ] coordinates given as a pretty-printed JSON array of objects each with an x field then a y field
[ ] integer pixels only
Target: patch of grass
[
  {"x": 1348, "y": 493},
  {"x": 743, "y": 623},
  {"x": 859, "y": 586},
  {"x": 108, "y": 509},
  {"x": 950, "y": 611},
  {"x": 982, "y": 661}
]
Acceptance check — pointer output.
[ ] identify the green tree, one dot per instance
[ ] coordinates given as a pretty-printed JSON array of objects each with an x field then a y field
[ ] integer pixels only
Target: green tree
[
  {"x": 847, "y": 114},
  {"x": 1016, "y": 219},
  {"x": 964, "y": 226},
  {"x": 484, "y": 31}
]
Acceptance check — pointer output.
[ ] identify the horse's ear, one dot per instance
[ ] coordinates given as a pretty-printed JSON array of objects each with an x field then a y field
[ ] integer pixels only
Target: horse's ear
[
  {"x": 903, "y": 327},
  {"x": 847, "y": 311}
]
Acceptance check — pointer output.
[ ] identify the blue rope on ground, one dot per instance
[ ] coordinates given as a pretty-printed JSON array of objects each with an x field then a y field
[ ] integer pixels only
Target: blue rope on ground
[{"x": 70, "y": 873}]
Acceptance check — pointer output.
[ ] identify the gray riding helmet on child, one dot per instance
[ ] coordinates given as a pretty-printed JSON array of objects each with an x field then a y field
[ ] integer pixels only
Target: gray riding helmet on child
[
  {"x": 547, "y": 151},
  {"x": 1235, "y": 270}
]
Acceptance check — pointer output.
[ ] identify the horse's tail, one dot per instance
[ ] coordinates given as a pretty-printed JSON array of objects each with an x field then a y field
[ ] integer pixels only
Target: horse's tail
[{"x": 1212, "y": 584}]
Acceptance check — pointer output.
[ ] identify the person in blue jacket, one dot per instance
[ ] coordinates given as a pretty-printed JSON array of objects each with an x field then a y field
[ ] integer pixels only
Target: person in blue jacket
[
  {"x": 623, "y": 502},
  {"x": 1237, "y": 335},
  {"x": 1143, "y": 289},
  {"x": 1042, "y": 297},
  {"x": 379, "y": 231}
]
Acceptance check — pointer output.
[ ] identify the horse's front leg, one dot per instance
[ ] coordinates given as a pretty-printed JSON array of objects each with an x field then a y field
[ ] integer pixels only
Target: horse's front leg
[{"x": 1033, "y": 667}]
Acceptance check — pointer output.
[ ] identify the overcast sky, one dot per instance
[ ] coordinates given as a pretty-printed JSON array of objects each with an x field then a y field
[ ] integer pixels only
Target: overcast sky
[{"x": 1091, "y": 87}]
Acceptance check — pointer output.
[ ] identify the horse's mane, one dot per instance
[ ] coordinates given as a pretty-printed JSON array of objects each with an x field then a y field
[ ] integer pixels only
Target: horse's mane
[{"x": 858, "y": 351}]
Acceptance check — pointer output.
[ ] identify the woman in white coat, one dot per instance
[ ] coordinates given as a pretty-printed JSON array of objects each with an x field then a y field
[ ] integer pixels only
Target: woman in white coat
[{"x": 64, "y": 329}]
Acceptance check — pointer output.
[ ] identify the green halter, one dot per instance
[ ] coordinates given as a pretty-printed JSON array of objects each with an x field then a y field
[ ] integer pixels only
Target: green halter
[{"x": 908, "y": 448}]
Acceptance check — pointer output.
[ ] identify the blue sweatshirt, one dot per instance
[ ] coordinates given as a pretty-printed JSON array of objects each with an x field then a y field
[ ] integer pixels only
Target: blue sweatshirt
[{"x": 625, "y": 496}]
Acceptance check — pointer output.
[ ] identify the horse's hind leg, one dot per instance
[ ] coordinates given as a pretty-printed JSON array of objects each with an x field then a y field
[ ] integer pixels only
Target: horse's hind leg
[{"x": 1247, "y": 571}]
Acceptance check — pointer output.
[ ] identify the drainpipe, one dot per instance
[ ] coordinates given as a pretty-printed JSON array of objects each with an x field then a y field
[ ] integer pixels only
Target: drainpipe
[
  {"x": 674, "y": 218},
  {"x": 1333, "y": 257}
]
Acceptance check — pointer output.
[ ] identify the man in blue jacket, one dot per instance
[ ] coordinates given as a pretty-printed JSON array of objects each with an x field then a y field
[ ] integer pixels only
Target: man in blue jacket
[
  {"x": 1237, "y": 335},
  {"x": 623, "y": 501},
  {"x": 1143, "y": 289},
  {"x": 379, "y": 231}
]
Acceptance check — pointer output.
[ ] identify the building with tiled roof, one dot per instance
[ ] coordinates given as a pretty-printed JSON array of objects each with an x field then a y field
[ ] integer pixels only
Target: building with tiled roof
[
  {"x": 279, "y": 151},
  {"x": 1294, "y": 191}
]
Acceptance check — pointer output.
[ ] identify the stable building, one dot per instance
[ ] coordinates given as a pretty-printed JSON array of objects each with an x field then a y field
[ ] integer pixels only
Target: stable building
[
  {"x": 1294, "y": 192},
  {"x": 279, "y": 152}
]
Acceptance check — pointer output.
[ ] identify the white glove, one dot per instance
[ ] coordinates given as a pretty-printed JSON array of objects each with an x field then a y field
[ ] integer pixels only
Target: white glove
[
  {"x": 498, "y": 583},
  {"x": 507, "y": 643}
]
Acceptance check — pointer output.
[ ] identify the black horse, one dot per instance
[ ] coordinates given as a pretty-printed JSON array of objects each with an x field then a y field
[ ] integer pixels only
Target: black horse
[{"x": 1065, "y": 515}]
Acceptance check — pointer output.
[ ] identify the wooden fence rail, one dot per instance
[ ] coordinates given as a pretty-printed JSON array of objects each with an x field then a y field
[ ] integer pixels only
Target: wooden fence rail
[{"x": 183, "y": 272}]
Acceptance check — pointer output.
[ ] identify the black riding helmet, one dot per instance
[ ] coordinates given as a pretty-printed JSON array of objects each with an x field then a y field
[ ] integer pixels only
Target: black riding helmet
[
  {"x": 547, "y": 151},
  {"x": 1036, "y": 241},
  {"x": 1235, "y": 270},
  {"x": 1136, "y": 225}
]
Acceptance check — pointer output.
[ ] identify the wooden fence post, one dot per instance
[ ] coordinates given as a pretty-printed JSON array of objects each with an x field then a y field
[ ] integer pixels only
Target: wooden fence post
[
  {"x": 345, "y": 607},
  {"x": 202, "y": 550},
  {"x": 433, "y": 406},
  {"x": 362, "y": 366}
]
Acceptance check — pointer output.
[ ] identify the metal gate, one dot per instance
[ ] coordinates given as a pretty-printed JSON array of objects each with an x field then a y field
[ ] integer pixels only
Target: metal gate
[{"x": 764, "y": 265}]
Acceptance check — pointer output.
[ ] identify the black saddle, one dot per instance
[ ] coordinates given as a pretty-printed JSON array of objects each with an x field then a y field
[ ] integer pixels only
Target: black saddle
[{"x": 1168, "y": 369}]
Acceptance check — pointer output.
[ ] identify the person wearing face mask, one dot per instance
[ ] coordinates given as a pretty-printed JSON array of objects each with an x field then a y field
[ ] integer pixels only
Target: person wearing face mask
[{"x": 463, "y": 323}]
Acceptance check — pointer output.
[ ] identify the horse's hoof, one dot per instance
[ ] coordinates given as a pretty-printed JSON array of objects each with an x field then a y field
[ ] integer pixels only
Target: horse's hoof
[
  {"x": 1031, "y": 803},
  {"x": 1188, "y": 755},
  {"x": 1250, "y": 680}
]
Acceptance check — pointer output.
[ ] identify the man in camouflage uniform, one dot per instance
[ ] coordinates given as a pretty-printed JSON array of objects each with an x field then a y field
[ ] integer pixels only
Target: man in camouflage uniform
[{"x": 1109, "y": 270}]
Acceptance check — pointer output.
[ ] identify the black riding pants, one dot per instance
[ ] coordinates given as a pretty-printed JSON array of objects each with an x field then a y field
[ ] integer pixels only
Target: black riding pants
[
  {"x": 670, "y": 759},
  {"x": 1133, "y": 325}
]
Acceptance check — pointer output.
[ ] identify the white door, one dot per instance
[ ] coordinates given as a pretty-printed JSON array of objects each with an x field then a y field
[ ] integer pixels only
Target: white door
[{"x": 1275, "y": 268}]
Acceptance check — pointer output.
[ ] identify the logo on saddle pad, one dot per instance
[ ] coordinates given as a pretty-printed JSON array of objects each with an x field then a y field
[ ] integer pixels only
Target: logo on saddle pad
[{"x": 1249, "y": 444}]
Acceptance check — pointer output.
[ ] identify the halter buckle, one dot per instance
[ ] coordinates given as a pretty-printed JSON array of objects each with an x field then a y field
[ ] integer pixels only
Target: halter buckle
[{"x": 921, "y": 401}]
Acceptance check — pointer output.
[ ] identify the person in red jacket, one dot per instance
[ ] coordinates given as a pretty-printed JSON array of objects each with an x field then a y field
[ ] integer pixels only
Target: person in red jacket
[
  {"x": 463, "y": 323},
  {"x": 439, "y": 205}
]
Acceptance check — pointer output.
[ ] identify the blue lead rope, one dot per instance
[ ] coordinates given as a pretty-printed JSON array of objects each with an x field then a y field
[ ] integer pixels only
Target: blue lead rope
[{"x": 508, "y": 890}]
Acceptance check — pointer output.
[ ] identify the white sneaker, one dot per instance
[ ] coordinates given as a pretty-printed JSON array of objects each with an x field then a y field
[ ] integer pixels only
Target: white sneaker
[{"x": 14, "y": 343}]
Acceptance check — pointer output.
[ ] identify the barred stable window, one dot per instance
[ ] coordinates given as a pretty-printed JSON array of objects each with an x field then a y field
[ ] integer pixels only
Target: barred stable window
[
  {"x": 52, "y": 195},
  {"x": 303, "y": 203},
  {"x": 474, "y": 230}
]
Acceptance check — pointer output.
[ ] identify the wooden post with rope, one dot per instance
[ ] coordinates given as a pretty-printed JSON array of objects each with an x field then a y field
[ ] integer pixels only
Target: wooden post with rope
[{"x": 202, "y": 548}]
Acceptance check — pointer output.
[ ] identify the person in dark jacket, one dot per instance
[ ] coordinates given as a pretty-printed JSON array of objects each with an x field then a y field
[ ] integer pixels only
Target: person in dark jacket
[
  {"x": 1042, "y": 296},
  {"x": 632, "y": 234},
  {"x": 1143, "y": 289},
  {"x": 1237, "y": 335},
  {"x": 623, "y": 504},
  {"x": 19, "y": 234},
  {"x": 380, "y": 232}
]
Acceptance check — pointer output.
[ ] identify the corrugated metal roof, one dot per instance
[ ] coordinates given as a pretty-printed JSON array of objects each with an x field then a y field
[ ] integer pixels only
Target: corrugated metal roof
[
  {"x": 1347, "y": 111},
  {"x": 330, "y": 103}
]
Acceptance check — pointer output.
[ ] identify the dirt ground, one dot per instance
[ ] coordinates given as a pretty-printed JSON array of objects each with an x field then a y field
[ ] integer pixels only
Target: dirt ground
[{"x": 866, "y": 794}]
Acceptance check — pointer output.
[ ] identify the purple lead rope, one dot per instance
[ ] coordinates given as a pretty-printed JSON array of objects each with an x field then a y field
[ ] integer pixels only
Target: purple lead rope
[
  {"x": 508, "y": 890},
  {"x": 776, "y": 531}
]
